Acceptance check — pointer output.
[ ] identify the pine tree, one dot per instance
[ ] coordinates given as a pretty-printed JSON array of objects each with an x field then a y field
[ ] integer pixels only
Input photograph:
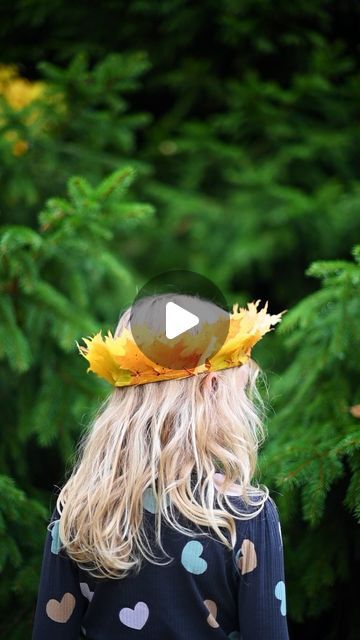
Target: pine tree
[
  {"x": 313, "y": 449},
  {"x": 58, "y": 282},
  {"x": 73, "y": 121}
]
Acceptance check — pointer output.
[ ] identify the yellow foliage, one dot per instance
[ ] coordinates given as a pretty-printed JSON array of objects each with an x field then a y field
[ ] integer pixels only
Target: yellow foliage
[{"x": 18, "y": 93}]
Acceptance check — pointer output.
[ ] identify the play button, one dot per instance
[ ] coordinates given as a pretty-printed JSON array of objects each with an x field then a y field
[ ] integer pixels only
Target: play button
[{"x": 178, "y": 320}]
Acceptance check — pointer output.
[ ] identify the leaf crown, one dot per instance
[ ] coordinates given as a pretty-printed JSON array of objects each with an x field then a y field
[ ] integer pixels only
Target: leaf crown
[{"x": 120, "y": 361}]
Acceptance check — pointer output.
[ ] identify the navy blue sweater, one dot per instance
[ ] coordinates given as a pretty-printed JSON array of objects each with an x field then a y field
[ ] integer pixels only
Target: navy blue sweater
[{"x": 206, "y": 593}]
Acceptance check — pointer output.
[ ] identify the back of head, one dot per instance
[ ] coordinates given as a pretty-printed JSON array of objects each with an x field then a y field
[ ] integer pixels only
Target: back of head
[{"x": 175, "y": 441}]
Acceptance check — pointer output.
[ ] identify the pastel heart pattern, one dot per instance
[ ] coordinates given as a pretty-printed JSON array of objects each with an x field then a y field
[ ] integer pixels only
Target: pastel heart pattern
[
  {"x": 85, "y": 590},
  {"x": 135, "y": 618},
  {"x": 190, "y": 557},
  {"x": 234, "y": 489},
  {"x": 248, "y": 561},
  {"x": 281, "y": 595},
  {"x": 212, "y": 607},
  {"x": 55, "y": 542},
  {"x": 61, "y": 611},
  {"x": 150, "y": 501}
]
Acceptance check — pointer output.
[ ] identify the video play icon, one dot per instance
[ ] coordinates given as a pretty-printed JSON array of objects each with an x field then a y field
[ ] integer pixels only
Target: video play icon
[
  {"x": 175, "y": 311},
  {"x": 178, "y": 320}
]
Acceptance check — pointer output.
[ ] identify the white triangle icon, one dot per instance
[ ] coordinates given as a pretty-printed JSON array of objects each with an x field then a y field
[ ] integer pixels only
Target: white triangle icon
[{"x": 178, "y": 320}]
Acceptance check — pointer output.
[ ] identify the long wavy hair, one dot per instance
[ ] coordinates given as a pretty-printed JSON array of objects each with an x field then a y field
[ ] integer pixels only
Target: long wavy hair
[{"x": 167, "y": 439}]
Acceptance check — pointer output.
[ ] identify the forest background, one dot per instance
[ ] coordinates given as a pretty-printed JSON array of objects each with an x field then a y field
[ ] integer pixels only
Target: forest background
[{"x": 220, "y": 137}]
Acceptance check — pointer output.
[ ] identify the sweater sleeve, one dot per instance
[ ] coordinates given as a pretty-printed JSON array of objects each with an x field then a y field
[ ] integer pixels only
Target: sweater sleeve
[
  {"x": 60, "y": 604},
  {"x": 261, "y": 586}
]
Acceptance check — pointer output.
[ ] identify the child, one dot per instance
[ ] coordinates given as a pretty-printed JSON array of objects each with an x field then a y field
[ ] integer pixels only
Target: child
[{"x": 167, "y": 466}]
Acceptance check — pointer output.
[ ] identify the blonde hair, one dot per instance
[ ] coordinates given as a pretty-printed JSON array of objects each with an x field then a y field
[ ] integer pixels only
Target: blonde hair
[{"x": 160, "y": 437}]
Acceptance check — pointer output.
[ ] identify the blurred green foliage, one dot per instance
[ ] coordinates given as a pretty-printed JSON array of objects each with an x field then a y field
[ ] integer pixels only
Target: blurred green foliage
[
  {"x": 314, "y": 451},
  {"x": 239, "y": 122}
]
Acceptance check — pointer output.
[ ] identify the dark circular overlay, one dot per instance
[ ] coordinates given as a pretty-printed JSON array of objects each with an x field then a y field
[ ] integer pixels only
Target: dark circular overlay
[{"x": 207, "y": 303}]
